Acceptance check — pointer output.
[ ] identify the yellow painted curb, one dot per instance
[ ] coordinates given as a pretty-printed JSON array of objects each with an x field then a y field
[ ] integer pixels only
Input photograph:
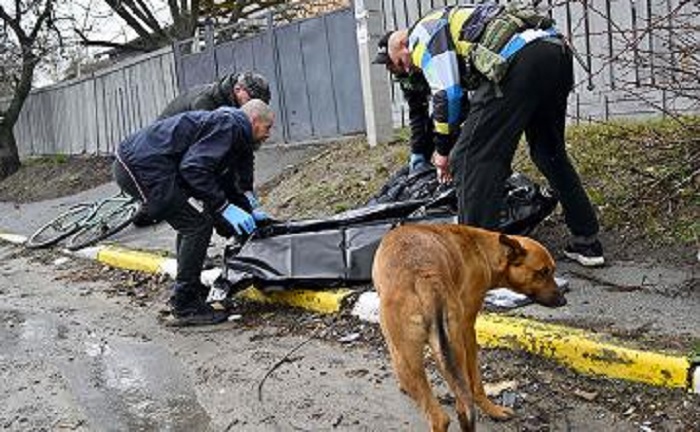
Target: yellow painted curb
[
  {"x": 317, "y": 301},
  {"x": 582, "y": 351},
  {"x": 130, "y": 259}
]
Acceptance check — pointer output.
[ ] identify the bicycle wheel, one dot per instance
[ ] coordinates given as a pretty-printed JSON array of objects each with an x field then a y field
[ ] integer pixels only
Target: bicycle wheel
[
  {"x": 111, "y": 218},
  {"x": 60, "y": 227}
]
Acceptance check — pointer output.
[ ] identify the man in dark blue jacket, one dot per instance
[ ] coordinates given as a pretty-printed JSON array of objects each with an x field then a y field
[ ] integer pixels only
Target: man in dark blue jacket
[
  {"x": 181, "y": 167},
  {"x": 232, "y": 90}
]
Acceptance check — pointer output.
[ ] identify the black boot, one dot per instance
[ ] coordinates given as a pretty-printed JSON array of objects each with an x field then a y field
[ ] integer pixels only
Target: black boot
[{"x": 189, "y": 307}]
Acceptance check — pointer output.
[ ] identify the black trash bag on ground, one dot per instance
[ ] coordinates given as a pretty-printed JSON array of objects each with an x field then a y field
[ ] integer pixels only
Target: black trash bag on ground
[
  {"x": 339, "y": 250},
  {"x": 526, "y": 202},
  {"x": 405, "y": 186}
]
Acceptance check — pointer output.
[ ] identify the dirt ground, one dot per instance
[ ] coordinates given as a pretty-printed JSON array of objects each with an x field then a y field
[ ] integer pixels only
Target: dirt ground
[
  {"x": 53, "y": 177},
  {"x": 333, "y": 372},
  {"x": 546, "y": 396},
  {"x": 341, "y": 177}
]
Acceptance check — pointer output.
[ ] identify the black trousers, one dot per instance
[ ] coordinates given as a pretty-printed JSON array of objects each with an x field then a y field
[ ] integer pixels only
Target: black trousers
[
  {"x": 194, "y": 231},
  {"x": 532, "y": 100}
]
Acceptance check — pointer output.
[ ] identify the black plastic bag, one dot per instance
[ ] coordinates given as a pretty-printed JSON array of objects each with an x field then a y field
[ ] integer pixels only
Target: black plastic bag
[{"x": 339, "y": 250}]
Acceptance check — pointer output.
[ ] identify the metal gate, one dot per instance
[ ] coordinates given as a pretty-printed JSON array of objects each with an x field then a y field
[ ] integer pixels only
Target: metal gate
[{"x": 312, "y": 66}]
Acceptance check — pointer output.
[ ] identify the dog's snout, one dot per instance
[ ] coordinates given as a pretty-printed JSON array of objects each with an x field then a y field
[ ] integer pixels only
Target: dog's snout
[
  {"x": 560, "y": 300},
  {"x": 553, "y": 299}
]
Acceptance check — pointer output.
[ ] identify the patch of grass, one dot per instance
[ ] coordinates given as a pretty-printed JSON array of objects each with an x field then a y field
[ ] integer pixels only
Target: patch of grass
[
  {"x": 341, "y": 177},
  {"x": 644, "y": 177},
  {"x": 695, "y": 350},
  {"x": 57, "y": 159}
]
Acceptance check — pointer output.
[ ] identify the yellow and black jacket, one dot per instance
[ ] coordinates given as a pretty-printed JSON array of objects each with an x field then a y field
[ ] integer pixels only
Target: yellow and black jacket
[{"x": 443, "y": 44}]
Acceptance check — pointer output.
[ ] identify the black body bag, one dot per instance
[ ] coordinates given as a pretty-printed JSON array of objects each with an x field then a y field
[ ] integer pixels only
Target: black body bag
[{"x": 339, "y": 250}]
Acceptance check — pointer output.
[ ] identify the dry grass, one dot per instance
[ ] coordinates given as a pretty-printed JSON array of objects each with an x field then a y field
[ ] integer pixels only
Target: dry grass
[{"x": 642, "y": 176}]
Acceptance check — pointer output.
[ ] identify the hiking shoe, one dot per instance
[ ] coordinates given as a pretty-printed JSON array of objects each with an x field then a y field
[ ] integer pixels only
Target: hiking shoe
[
  {"x": 205, "y": 315},
  {"x": 194, "y": 313},
  {"x": 590, "y": 255}
]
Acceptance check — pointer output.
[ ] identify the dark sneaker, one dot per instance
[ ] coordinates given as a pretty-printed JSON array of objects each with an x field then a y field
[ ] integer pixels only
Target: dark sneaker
[
  {"x": 202, "y": 291},
  {"x": 590, "y": 255},
  {"x": 196, "y": 313}
]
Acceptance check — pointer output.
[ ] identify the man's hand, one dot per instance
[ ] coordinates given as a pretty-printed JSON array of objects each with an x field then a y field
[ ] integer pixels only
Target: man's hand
[
  {"x": 234, "y": 220},
  {"x": 442, "y": 163}
]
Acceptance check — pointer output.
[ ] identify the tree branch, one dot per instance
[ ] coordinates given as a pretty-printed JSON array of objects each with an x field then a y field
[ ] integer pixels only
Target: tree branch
[
  {"x": 131, "y": 21},
  {"x": 174, "y": 10},
  {"x": 45, "y": 14},
  {"x": 143, "y": 12},
  {"x": 14, "y": 24},
  {"x": 85, "y": 41}
]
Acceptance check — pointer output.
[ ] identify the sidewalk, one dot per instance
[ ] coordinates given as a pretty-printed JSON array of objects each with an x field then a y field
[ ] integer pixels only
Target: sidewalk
[{"x": 631, "y": 298}]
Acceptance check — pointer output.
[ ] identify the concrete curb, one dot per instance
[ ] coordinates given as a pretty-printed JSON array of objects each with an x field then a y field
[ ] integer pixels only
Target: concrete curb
[{"x": 580, "y": 350}]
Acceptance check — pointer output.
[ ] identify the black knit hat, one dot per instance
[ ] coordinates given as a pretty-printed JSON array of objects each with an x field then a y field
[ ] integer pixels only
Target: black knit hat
[
  {"x": 382, "y": 56},
  {"x": 256, "y": 85}
]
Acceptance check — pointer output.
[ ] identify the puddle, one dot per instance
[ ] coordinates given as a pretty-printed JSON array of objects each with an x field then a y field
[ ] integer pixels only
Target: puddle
[
  {"x": 120, "y": 383},
  {"x": 127, "y": 385}
]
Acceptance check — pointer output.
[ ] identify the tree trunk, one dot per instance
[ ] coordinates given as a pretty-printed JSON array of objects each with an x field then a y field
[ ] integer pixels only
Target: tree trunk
[{"x": 9, "y": 157}]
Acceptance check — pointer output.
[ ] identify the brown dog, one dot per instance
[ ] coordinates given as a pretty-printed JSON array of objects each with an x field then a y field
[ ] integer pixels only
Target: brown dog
[{"x": 431, "y": 281}]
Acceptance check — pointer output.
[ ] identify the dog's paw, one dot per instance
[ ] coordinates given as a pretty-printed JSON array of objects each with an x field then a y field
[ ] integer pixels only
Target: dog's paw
[{"x": 498, "y": 412}]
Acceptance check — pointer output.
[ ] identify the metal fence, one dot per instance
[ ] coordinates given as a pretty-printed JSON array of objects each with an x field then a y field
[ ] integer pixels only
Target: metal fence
[
  {"x": 624, "y": 43},
  {"x": 95, "y": 112},
  {"x": 312, "y": 66}
]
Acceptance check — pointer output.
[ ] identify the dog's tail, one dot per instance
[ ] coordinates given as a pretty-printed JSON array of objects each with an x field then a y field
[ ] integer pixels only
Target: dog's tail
[{"x": 454, "y": 376}]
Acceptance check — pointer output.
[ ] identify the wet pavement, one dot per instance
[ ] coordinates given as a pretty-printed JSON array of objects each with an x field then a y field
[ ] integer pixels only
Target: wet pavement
[{"x": 73, "y": 357}]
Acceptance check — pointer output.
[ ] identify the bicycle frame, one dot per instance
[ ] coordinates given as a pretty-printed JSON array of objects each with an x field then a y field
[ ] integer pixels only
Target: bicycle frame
[
  {"x": 96, "y": 216},
  {"x": 98, "y": 220}
]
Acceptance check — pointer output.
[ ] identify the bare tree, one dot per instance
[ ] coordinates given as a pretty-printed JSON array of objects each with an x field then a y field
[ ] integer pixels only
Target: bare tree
[
  {"x": 154, "y": 31},
  {"x": 24, "y": 31}
]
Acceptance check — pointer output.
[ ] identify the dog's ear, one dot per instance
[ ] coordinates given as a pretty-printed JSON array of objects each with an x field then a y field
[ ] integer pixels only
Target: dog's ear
[{"x": 513, "y": 249}]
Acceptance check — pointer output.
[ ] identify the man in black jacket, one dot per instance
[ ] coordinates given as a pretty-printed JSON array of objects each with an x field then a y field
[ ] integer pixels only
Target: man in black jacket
[
  {"x": 232, "y": 90},
  {"x": 520, "y": 70},
  {"x": 180, "y": 167}
]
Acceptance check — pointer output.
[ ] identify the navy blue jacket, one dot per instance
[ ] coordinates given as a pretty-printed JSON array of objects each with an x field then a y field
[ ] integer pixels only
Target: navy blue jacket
[{"x": 207, "y": 155}]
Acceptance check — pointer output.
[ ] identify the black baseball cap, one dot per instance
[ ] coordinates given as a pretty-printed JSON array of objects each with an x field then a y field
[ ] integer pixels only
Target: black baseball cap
[
  {"x": 256, "y": 85},
  {"x": 382, "y": 56}
]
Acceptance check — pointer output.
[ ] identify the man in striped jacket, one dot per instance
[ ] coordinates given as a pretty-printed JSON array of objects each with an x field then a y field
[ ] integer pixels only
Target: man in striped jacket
[{"x": 520, "y": 71}]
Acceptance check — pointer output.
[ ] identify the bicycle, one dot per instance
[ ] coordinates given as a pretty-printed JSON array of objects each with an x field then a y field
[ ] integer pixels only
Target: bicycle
[{"x": 87, "y": 223}]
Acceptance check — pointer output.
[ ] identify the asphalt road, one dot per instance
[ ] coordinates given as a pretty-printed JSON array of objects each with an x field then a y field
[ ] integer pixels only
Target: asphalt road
[{"x": 75, "y": 357}]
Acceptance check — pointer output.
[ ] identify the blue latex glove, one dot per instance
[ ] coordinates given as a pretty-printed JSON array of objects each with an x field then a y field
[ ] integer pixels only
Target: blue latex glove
[
  {"x": 417, "y": 162},
  {"x": 252, "y": 199},
  {"x": 260, "y": 215},
  {"x": 240, "y": 220}
]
